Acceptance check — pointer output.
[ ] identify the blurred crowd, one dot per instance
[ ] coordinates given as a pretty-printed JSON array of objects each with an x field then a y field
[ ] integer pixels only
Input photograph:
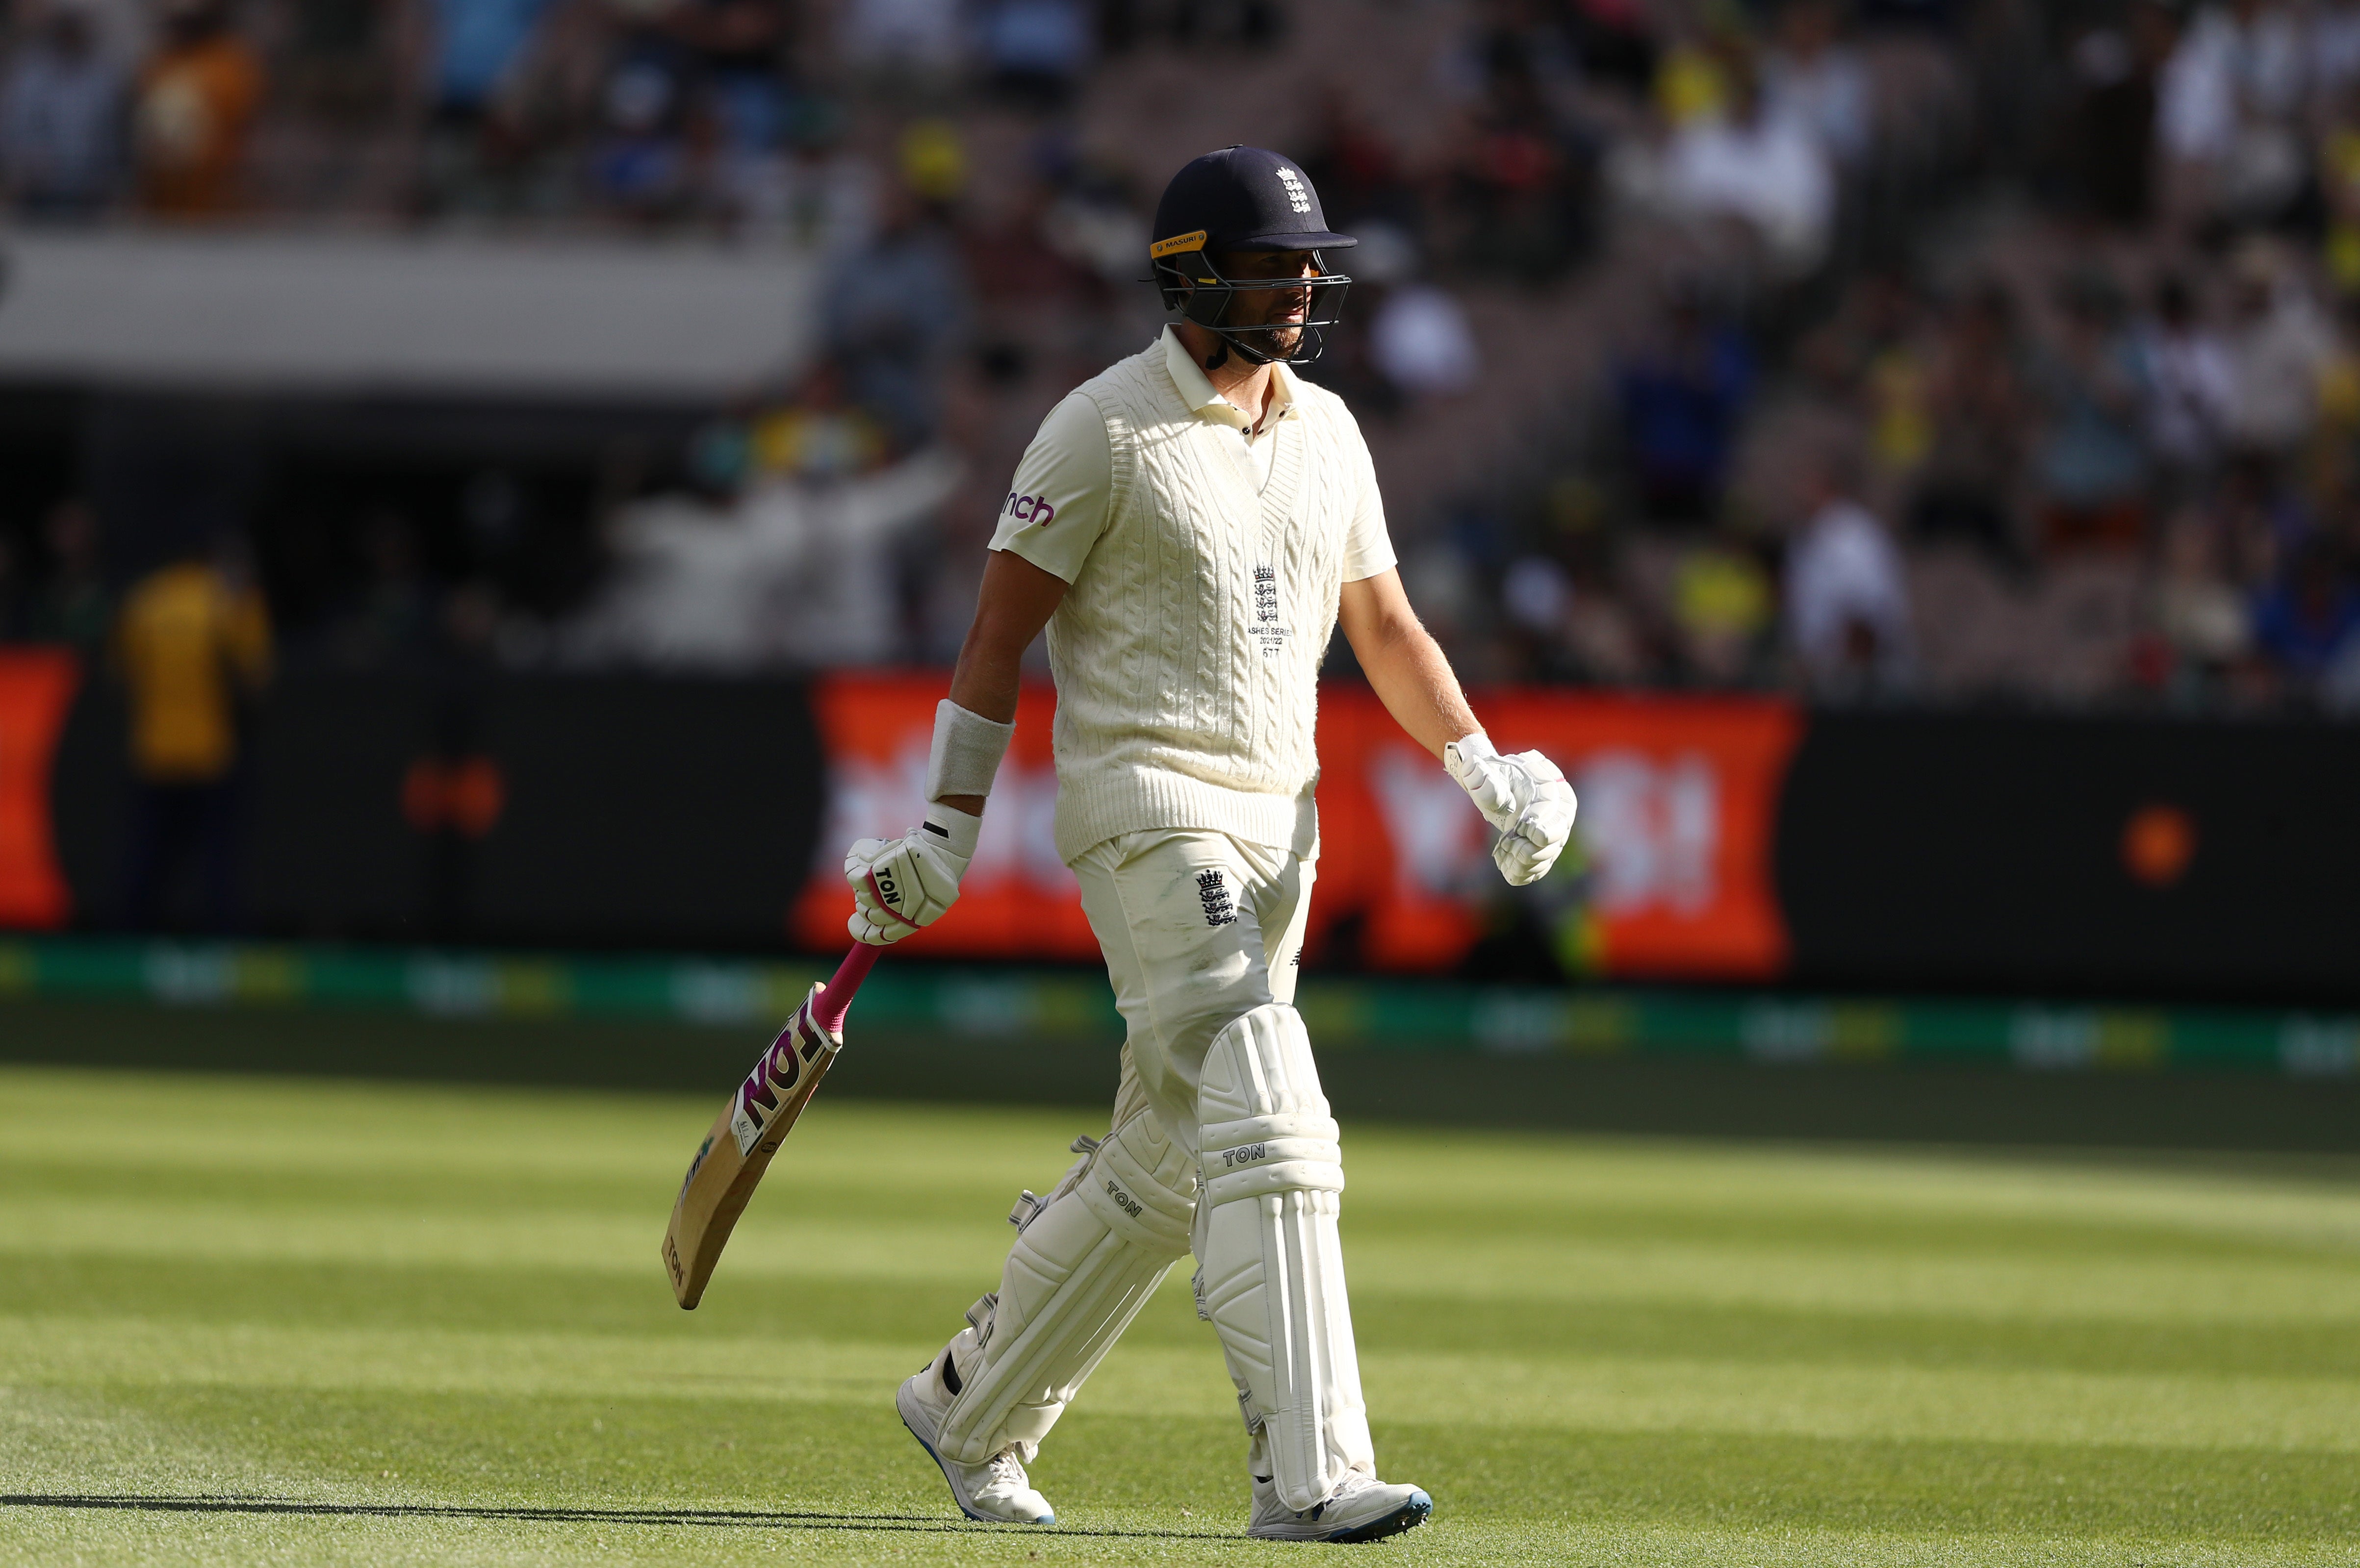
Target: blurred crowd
[
  {"x": 1888, "y": 351},
  {"x": 2083, "y": 428},
  {"x": 756, "y": 116}
]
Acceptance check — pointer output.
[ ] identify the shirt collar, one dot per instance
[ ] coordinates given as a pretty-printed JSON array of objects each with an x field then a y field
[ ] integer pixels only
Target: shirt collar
[{"x": 1196, "y": 388}]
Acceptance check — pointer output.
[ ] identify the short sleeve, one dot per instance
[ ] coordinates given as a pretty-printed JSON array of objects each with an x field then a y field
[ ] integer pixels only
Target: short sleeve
[
  {"x": 1057, "y": 506},
  {"x": 1368, "y": 548}
]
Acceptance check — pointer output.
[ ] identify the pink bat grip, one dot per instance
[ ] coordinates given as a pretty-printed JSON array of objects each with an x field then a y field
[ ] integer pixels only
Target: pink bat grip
[{"x": 835, "y": 999}]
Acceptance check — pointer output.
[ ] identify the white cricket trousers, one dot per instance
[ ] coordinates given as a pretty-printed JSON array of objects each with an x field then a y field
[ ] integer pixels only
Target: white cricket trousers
[
  {"x": 1220, "y": 1144},
  {"x": 1198, "y": 929}
]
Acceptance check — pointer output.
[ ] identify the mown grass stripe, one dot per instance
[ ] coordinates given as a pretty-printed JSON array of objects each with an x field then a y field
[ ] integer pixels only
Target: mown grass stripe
[
  {"x": 1619, "y": 1351},
  {"x": 1626, "y": 1393}
]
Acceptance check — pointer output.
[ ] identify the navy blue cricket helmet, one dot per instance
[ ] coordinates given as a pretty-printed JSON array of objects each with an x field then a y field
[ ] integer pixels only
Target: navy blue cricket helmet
[{"x": 1246, "y": 198}]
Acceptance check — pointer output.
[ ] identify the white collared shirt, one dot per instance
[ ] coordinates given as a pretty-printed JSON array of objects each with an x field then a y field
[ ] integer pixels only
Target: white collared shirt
[
  {"x": 1253, "y": 445},
  {"x": 1056, "y": 502}
]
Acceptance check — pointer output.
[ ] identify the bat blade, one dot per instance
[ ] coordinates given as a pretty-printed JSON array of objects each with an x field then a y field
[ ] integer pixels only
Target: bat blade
[{"x": 753, "y": 1123}]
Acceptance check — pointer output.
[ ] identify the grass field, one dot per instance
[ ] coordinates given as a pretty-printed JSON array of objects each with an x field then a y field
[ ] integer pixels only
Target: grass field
[{"x": 250, "y": 1320}]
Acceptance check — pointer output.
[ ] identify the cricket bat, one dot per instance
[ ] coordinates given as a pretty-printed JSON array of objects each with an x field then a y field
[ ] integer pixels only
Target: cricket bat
[{"x": 754, "y": 1121}]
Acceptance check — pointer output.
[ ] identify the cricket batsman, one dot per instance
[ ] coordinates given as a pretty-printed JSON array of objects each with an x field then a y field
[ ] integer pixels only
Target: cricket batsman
[{"x": 1191, "y": 526}]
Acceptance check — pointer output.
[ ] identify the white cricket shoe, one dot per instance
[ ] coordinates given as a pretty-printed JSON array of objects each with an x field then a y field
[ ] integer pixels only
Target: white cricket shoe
[
  {"x": 995, "y": 1491},
  {"x": 1362, "y": 1509}
]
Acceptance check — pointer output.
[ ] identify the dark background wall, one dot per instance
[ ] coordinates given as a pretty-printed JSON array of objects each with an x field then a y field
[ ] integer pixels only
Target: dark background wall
[
  {"x": 1963, "y": 852},
  {"x": 623, "y": 811}
]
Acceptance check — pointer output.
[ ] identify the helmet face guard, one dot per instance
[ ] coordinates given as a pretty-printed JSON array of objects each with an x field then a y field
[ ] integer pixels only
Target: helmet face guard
[{"x": 1195, "y": 286}]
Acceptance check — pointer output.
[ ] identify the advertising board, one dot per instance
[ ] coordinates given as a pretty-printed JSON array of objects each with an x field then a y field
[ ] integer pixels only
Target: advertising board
[
  {"x": 1673, "y": 879},
  {"x": 37, "y": 688}
]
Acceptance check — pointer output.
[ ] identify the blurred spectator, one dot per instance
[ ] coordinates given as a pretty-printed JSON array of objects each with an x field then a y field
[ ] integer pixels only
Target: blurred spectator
[
  {"x": 1601, "y": 638},
  {"x": 1767, "y": 170},
  {"x": 2091, "y": 464},
  {"x": 2262, "y": 519},
  {"x": 1566, "y": 600},
  {"x": 894, "y": 313},
  {"x": 1441, "y": 586},
  {"x": 1814, "y": 79},
  {"x": 2304, "y": 621},
  {"x": 61, "y": 105},
  {"x": 192, "y": 640},
  {"x": 2277, "y": 348},
  {"x": 1011, "y": 259},
  {"x": 1721, "y": 605},
  {"x": 2197, "y": 610},
  {"x": 818, "y": 194},
  {"x": 2226, "y": 112},
  {"x": 1358, "y": 172},
  {"x": 1534, "y": 591},
  {"x": 785, "y": 572},
  {"x": 2190, "y": 386},
  {"x": 473, "y": 141},
  {"x": 1873, "y": 356},
  {"x": 1682, "y": 398},
  {"x": 932, "y": 161},
  {"x": 1522, "y": 180},
  {"x": 1692, "y": 80},
  {"x": 197, "y": 99},
  {"x": 640, "y": 164},
  {"x": 2108, "y": 130},
  {"x": 2339, "y": 182},
  {"x": 1035, "y": 50},
  {"x": 820, "y": 436},
  {"x": 1420, "y": 339},
  {"x": 2333, "y": 48},
  {"x": 74, "y": 607},
  {"x": 738, "y": 50},
  {"x": 1097, "y": 221},
  {"x": 1847, "y": 604},
  {"x": 1603, "y": 641},
  {"x": 913, "y": 45},
  {"x": 476, "y": 45},
  {"x": 1979, "y": 405}
]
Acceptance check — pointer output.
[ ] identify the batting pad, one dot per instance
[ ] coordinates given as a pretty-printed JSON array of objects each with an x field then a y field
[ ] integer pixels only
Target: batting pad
[
  {"x": 1273, "y": 1268},
  {"x": 1081, "y": 1268}
]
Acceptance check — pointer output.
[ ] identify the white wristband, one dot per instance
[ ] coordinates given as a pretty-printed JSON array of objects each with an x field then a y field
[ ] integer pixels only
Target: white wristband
[{"x": 966, "y": 754}]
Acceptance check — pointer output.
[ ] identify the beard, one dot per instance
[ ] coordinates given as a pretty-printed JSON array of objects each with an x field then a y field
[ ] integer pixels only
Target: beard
[
  {"x": 1280, "y": 342},
  {"x": 1275, "y": 334}
]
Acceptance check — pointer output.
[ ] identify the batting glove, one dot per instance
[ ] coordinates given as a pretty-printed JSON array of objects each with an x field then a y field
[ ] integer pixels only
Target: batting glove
[
  {"x": 1524, "y": 796},
  {"x": 904, "y": 885}
]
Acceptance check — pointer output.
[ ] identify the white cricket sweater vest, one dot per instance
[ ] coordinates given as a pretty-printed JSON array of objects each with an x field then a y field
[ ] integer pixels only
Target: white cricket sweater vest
[{"x": 1186, "y": 653}]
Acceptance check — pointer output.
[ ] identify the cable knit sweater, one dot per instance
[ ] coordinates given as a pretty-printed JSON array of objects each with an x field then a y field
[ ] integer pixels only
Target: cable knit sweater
[{"x": 1186, "y": 654}]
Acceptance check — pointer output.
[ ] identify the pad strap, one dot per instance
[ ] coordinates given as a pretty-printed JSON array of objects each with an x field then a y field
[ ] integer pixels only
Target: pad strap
[
  {"x": 964, "y": 757},
  {"x": 1082, "y": 1266}
]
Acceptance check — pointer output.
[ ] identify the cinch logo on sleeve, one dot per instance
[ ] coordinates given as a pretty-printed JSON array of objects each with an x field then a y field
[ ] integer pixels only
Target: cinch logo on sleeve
[{"x": 1035, "y": 510}]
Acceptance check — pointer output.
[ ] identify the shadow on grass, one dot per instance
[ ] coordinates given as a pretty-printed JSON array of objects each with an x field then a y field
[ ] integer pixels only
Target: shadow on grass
[{"x": 737, "y": 1518}]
